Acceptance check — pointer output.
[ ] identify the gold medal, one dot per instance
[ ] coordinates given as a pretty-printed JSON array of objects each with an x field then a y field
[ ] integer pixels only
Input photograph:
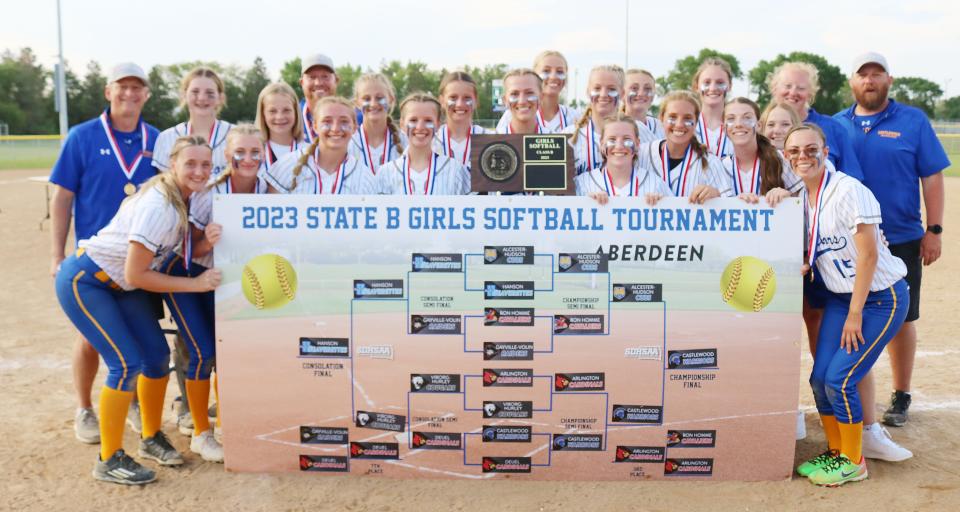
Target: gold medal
[{"x": 129, "y": 189}]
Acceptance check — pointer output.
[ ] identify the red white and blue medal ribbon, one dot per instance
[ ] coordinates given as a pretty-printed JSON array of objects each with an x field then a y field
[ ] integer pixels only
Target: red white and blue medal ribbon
[
  {"x": 128, "y": 170},
  {"x": 563, "y": 118},
  {"x": 308, "y": 134},
  {"x": 754, "y": 184},
  {"x": 705, "y": 137},
  {"x": 680, "y": 189},
  {"x": 592, "y": 143},
  {"x": 337, "y": 187},
  {"x": 367, "y": 151},
  {"x": 428, "y": 185},
  {"x": 633, "y": 186},
  {"x": 813, "y": 218},
  {"x": 272, "y": 156},
  {"x": 446, "y": 140},
  {"x": 214, "y": 131}
]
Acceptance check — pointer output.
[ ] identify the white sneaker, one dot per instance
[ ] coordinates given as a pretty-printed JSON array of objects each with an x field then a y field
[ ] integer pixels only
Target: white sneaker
[
  {"x": 86, "y": 426},
  {"x": 877, "y": 444},
  {"x": 801, "y": 426},
  {"x": 133, "y": 417},
  {"x": 206, "y": 446}
]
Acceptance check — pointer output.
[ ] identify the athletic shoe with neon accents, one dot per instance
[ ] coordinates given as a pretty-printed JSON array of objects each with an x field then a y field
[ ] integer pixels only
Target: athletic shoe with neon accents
[
  {"x": 121, "y": 469},
  {"x": 814, "y": 464},
  {"x": 840, "y": 471},
  {"x": 158, "y": 448}
]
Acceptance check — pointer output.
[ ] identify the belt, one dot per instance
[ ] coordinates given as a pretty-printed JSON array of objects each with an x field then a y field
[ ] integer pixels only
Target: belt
[{"x": 100, "y": 275}]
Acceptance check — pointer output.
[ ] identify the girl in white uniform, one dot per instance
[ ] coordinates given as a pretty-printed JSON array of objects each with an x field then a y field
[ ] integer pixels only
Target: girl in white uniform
[
  {"x": 679, "y": 159},
  {"x": 866, "y": 308},
  {"x": 755, "y": 168},
  {"x": 640, "y": 88},
  {"x": 421, "y": 170},
  {"x": 621, "y": 175},
  {"x": 521, "y": 93},
  {"x": 552, "y": 116},
  {"x": 325, "y": 166},
  {"x": 377, "y": 141},
  {"x": 605, "y": 87},
  {"x": 278, "y": 120},
  {"x": 712, "y": 82},
  {"x": 775, "y": 121},
  {"x": 202, "y": 92},
  {"x": 458, "y": 97},
  {"x": 102, "y": 288}
]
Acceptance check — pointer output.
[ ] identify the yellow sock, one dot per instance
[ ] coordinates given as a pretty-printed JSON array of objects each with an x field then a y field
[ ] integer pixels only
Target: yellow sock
[
  {"x": 851, "y": 440},
  {"x": 198, "y": 395},
  {"x": 216, "y": 398},
  {"x": 151, "y": 393},
  {"x": 831, "y": 430},
  {"x": 113, "y": 415}
]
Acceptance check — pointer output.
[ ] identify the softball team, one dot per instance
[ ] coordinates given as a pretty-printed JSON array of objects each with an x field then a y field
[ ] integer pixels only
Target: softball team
[{"x": 699, "y": 146}]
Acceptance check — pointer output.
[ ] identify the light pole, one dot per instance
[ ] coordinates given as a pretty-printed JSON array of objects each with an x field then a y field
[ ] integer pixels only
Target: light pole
[{"x": 61, "y": 86}]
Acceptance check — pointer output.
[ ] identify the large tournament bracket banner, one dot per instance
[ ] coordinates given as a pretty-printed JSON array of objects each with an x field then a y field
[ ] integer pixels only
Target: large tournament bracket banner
[{"x": 544, "y": 338}]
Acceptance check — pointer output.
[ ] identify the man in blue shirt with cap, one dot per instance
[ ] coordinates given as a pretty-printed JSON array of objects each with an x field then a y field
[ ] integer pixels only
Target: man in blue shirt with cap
[
  {"x": 898, "y": 153},
  {"x": 101, "y": 163}
]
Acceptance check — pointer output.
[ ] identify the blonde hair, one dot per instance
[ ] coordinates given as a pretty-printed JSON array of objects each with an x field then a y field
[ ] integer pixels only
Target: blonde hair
[
  {"x": 773, "y": 79},
  {"x": 636, "y": 71},
  {"x": 419, "y": 97},
  {"x": 806, "y": 126},
  {"x": 620, "y": 77},
  {"x": 708, "y": 62},
  {"x": 283, "y": 89},
  {"x": 202, "y": 72},
  {"x": 381, "y": 79},
  {"x": 315, "y": 108},
  {"x": 620, "y": 117},
  {"x": 517, "y": 72},
  {"x": 449, "y": 78},
  {"x": 166, "y": 182},
  {"x": 240, "y": 130},
  {"x": 771, "y": 167},
  {"x": 538, "y": 60},
  {"x": 773, "y": 105},
  {"x": 692, "y": 99}
]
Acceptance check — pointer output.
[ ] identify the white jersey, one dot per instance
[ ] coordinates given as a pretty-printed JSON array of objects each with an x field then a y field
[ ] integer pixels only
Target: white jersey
[
  {"x": 350, "y": 177},
  {"x": 642, "y": 182},
  {"x": 586, "y": 149},
  {"x": 201, "y": 209},
  {"x": 716, "y": 141},
  {"x": 444, "y": 177},
  {"x": 655, "y": 126},
  {"x": 645, "y": 134},
  {"x": 747, "y": 179},
  {"x": 446, "y": 145},
  {"x": 845, "y": 203},
  {"x": 689, "y": 173},
  {"x": 216, "y": 138},
  {"x": 375, "y": 157},
  {"x": 273, "y": 152},
  {"x": 566, "y": 117},
  {"x": 148, "y": 219}
]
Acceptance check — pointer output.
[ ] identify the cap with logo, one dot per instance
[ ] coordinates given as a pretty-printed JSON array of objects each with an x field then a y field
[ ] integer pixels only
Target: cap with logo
[
  {"x": 317, "y": 59},
  {"x": 127, "y": 70},
  {"x": 869, "y": 58}
]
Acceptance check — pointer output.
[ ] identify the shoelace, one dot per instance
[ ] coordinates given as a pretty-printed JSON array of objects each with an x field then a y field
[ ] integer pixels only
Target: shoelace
[
  {"x": 825, "y": 456},
  {"x": 838, "y": 462}
]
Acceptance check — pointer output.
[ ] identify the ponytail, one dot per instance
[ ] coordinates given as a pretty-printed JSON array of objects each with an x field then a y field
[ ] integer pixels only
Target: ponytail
[
  {"x": 771, "y": 173},
  {"x": 166, "y": 182},
  {"x": 587, "y": 114},
  {"x": 302, "y": 161},
  {"x": 394, "y": 136}
]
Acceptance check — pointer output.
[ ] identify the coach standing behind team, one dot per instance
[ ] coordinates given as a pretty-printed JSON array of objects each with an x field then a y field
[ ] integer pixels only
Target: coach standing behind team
[
  {"x": 898, "y": 151},
  {"x": 102, "y": 162},
  {"x": 318, "y": 79}
]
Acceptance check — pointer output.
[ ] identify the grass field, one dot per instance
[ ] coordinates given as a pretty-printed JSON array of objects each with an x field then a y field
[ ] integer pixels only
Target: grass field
[{"x": 42, "y": 154}]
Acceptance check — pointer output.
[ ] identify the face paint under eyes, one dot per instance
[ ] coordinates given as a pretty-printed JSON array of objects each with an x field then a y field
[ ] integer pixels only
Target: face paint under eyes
[
  {"x": 531, "y": 98},
  {"x": 239, "y": 157},
  {"x": 368, "y": 105},
  {"x": 559, "y": 75},
  {"x": 610, "y": 94},
  {"x": 639, "y": 94},
  {"x": 674, "y": 122},
  {"x": 720, "y": 87},
  {"x": 413, "y": 126},
  {"x": 452, "y": 103},
  {"x": 325, "y": 127},
  {"x": 746, "y": 123},
  {"x": 610, "y": 144}
]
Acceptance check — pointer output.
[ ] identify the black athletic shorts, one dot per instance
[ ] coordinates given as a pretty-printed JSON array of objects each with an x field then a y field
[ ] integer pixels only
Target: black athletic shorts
[{"x": 909, "y": 252}]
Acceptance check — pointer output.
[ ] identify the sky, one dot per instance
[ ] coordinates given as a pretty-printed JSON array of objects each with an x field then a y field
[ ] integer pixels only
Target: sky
[{"x": 918, "y": 37}]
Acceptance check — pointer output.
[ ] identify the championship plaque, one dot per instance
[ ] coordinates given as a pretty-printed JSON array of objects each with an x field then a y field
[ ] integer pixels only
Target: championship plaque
[{"x": 522, "y": 163}]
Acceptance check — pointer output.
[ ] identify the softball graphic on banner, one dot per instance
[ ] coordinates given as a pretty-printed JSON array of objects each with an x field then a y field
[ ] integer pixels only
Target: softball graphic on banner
[
  {"x": 269, "y": 281},
  {"x": 748, "y": 284}
]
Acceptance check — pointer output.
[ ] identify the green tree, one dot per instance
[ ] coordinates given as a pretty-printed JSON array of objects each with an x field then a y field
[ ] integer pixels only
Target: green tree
[
  {"x": 916, "y": 91},
  {"x": 160, "y": 109},
  {"x": 243, "y": 88},
  {"x": 681, "y": 76},
  {"x": 949, "y": 109},
  {"x": 26, "y": 98},
  {"x": 347, "y": 75},
  {"x": 829, "y": 99},
  {"x": 484, "y": 77},
  {"x": 290, "y": 73},
  {"x": 87, "y": 100}
]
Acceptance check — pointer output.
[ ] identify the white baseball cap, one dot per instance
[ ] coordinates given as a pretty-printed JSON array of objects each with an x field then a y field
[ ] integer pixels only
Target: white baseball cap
[
  {"x": 125, "y": 70},
  {"x": 317, "y": 59},
  {"x": 869, "y": 58}
]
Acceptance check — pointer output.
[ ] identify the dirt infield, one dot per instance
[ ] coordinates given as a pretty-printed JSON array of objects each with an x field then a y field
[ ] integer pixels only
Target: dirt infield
[{"x": 45, "y": 467}]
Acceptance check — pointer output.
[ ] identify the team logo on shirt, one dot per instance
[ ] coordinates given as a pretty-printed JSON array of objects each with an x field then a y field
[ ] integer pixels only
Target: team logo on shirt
[{"x": 832, "y": 243}]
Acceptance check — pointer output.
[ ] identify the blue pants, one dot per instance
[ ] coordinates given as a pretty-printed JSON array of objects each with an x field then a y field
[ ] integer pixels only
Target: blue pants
[
  {"x": 121, "y": 325},
  {"x": 193, "y": 313},
  {"x": 835, "y": 373}
]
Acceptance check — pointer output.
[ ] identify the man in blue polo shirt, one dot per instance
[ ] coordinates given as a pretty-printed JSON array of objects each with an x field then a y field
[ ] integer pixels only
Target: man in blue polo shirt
[
  {"x": 102, "y": 162},
  {"x": 898, "y": 152}
]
